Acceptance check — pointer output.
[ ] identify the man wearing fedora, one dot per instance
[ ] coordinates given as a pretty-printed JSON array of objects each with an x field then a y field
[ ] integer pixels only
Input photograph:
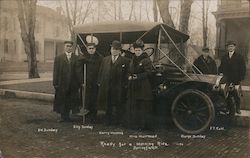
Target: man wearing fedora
[
  {"x": 66, "y": 83},
  {"x": 233, "y": 68},
  {"x": 205, "y": 63},
  {"x": 112, "y": 80}
]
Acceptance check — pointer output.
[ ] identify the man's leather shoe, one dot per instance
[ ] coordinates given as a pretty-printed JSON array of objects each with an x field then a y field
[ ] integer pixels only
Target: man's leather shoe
[{"x": 238, "y": 111}]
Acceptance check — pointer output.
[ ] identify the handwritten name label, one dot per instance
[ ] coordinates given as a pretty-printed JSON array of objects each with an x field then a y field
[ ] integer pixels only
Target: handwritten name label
[
  {"x": 199, "y": 136},
  {"x": 79, "y": 127},
  {"x": 143, "y": 136},
  {"x": 111, "y": 133},
  {"x": 216, "y": 128},
  {"x": 53, "y": 130}
]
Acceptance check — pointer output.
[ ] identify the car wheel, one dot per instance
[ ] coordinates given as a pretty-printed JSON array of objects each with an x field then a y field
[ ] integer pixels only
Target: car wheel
[{"x": 192, "y": 111}]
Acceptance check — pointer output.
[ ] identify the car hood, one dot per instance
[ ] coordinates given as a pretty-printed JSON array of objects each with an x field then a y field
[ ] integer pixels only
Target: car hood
[{"x": 212, "y": 79}]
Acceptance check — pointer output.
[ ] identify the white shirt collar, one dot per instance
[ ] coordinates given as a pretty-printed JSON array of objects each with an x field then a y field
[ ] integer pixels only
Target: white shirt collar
[
  {"x": 230, "y": 54},
  {"x": 68, "y": 53},
  {"x": 114, "y": 57}
]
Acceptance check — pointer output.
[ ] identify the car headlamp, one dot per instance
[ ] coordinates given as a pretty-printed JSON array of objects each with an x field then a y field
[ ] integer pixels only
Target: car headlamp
[
  {"x": 216, "y": 87},
  {"x": 224, "y": 89}
]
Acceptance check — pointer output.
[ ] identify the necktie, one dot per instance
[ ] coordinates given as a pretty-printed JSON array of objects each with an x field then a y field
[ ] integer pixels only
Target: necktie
[{"x": 114, "y": 58}]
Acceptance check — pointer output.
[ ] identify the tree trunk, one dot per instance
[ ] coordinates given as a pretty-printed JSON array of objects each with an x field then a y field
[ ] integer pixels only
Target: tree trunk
[
  {"x": 163, "y": 6},
  {"x": 27, "y": 19},
  {"x": 185, "y": 14},
  {"x": 131, "y": 10},
  {"x": 155, "y": 11},
  {"x": 204, "y": 23},
  {"x": 184, "y": 24}
]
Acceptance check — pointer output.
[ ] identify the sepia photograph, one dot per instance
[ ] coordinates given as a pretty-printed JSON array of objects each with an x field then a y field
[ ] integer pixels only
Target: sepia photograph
[{"x": 124, "y": 78}]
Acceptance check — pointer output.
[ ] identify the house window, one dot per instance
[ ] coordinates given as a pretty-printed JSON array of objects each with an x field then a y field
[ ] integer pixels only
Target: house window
[
  {"x": 5, "y": 23},
  {"x": 14, "y": 24},
  {"x": 37, "y": 27},
  {"x": 6, "y": 46},
  {"x": 37, "y": 47},
  {"x": 14, "y": 46},
  {"x": 57, "y": 31}
]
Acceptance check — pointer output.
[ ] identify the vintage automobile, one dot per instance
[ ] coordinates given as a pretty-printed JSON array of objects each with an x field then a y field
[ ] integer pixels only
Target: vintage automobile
[{"x": 192, "y": 101}]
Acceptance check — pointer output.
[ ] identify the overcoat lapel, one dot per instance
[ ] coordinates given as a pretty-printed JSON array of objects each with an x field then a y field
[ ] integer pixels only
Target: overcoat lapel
[
  {"x": 118, "y": 60},
  {"x": 65, "y": 59}
]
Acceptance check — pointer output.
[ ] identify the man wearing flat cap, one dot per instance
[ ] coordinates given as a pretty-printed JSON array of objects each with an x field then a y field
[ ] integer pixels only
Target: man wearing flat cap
[
  {"x": 205, "y": 63},
  {"x": 66, "y": 83},
  {"x": 233, "y": 68},
  {"x": 112, "y": 81}
]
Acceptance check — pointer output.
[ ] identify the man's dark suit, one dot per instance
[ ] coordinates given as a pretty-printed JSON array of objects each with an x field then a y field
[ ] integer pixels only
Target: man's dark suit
[
  {"x": 206, "y": 66},
  {"x": 93, "y": 63},
  {"x": 112, "y": 80},
  {"x": 234, "y": 68},
  {"x": 66, "y": 83}
]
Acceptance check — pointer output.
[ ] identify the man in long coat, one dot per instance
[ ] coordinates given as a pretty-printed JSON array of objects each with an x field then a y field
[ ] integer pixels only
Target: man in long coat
[
  {"x": 113, "y": 84},
  {"x": 93, "y": 60},
  {"x": 66, "y": 83},
  {"x": 233, "y": 68},
  {"x": 205, "y": 63}
]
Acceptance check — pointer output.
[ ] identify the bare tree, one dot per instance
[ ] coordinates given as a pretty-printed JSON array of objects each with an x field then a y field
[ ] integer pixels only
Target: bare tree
[
  {"x": 204, "y": 22},
  {"x": 27, "y": 19},
  {"x": 132, "y": 9},
  {"x": 155, "y": 11},
  {"x": 114, "y": 9},
  {"x": 163, "y": 6},
  {"x": 147, "y": 11},
  {"x": 184, "y": 16},
  {"x": 120, "y": 9},
  {"x": 75, "y": 12}
]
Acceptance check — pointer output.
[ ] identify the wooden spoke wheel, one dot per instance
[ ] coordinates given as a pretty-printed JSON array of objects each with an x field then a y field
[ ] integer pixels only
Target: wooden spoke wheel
[{"x": 192, "y": 111}]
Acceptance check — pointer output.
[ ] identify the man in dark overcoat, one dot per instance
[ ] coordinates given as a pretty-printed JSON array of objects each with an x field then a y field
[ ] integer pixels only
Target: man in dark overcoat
[
  {"x": 113, "y": 84},
  {"x": 233, "y": 68},
  {"x": 93, "y": 60},
  {"x": 66, "y": 83},
  {"x": 205, "y": 63}
]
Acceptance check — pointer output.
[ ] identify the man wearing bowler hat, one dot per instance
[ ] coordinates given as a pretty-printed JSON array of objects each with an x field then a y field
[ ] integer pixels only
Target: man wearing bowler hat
[
  {"x": 205, "y": 63},
  {"x": 112, "y": 80},
  {"x": 233, "y": 68},
  {"x": 66, "y": 83}
]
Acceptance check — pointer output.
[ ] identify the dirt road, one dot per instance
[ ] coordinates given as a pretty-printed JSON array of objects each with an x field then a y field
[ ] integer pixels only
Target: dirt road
[{"x": 29, "y": 129}]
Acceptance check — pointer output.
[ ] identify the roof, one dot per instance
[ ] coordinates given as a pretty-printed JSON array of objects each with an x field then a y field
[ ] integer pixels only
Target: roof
[
  {"x": 130, "y": 30},
  {"x": 115, "y": 26}
]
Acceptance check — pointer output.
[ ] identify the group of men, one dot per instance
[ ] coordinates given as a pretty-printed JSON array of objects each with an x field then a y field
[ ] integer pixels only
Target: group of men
[
  {"x": 106, "y": 81},
  {"x": 232, "y": 67}
]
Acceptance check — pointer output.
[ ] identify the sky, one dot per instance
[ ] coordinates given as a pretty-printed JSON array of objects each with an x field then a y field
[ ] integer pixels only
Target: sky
[{"x": 144, "y": 12}]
